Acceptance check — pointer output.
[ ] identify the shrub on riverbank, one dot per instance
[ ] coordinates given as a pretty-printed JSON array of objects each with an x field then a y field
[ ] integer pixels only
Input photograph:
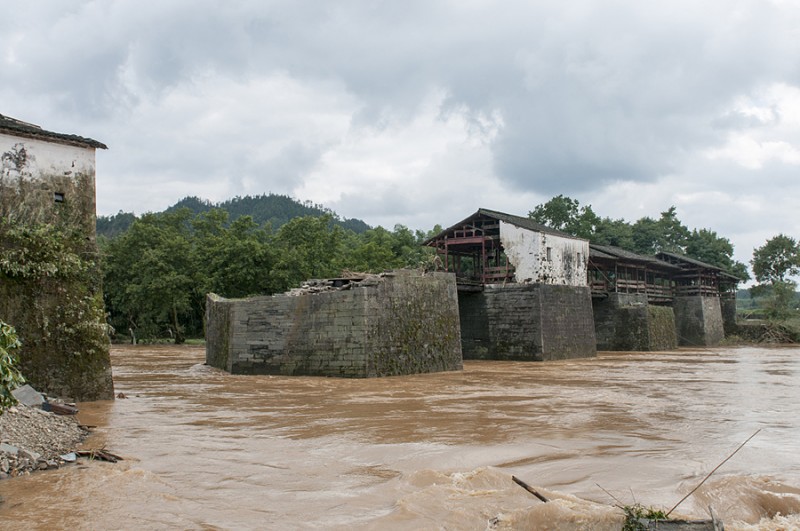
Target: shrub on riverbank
[{"x": 10, "y": 377}]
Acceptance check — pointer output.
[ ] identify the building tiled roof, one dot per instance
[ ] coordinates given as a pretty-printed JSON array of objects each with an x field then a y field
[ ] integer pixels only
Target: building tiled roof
[
  {"x": 617, "y": 253},
  {"x": 12, "y": 126},
  {"x": 692, "y": 261},
  {"x": 594, "y": 252},
  {"x": 525, "y": 223},
  {"x": 698, "y": 263}
]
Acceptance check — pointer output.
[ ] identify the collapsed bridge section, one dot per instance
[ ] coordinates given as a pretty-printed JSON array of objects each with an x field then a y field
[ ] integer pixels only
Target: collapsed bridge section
[{"x": 402, "y": 322}]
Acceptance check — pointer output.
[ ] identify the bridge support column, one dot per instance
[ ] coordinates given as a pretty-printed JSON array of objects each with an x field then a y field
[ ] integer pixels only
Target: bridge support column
[
  {"x": 699, "y": 321},
  {"x": 533, "y": 322},
  {"x": 625, "y": 321}
]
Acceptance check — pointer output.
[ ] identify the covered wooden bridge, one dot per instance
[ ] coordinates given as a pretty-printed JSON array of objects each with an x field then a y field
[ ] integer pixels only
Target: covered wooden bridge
[{"x": 661, "y": 277}]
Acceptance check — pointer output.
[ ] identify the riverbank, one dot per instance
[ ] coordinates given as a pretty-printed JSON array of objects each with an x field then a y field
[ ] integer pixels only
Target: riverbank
[{"x": 33, "y": 439}]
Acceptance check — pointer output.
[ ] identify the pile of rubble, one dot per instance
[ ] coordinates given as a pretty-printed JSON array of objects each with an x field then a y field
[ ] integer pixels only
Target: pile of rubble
[
  {"x": 34, "y": 439},
  {"x": 347, "y": 281}
]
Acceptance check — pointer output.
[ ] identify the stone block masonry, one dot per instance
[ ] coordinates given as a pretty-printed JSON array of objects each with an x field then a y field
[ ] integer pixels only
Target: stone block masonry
[
  {"x": 699, "y": 321},
  {"x": 728, "y": 309},
  {"x": 534, "y": 322},
  {"x": 406, "y": 323},
  {"x": 625, "y": 321}
]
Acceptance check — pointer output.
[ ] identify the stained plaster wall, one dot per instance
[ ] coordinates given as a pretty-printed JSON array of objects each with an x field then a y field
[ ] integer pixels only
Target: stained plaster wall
[
  {"x": 407, "y": 323},
  {"x": 527, "y": 252},
  {"x": 60, "y": 322},
  {"x": 34, "y": 170},
  {"x": 532, "y": 322}
]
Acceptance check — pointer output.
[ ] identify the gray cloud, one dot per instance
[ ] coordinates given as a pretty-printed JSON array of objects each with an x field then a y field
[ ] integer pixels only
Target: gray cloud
[{"x": 252, "y": 97}]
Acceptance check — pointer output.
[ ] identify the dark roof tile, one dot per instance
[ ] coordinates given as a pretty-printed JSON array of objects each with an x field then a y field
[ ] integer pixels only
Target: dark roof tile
[{"x": 16, "y": 127}]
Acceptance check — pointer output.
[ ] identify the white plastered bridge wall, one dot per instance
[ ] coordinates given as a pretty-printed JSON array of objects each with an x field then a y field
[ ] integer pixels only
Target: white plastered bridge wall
[{"x": 527, "y": 251}]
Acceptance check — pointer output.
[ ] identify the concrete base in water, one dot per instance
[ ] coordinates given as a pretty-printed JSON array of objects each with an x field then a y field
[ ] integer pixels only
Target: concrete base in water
[
  {"x": 533, "y": 322},
  {"x": 625, "y": 321},
  {"x": 405, "y": 323}
]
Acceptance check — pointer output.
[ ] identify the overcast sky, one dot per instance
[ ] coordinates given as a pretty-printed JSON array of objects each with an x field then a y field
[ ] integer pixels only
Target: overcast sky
[{"x": 420, "y": 112}]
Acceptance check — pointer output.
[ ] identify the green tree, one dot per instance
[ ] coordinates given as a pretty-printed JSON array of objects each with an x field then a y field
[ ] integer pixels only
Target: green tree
[
  {"x": 565, "y": 214},
  {"x": 371, "y": 252},
  {"x": 773, "y": 263},
  {"x": 614, "y": 232},
  {"x": 307, "y": 247},
  {"x": 408, "y": 247},
  {"x": 149, "y": 274},
  {"x": 232, "y": 261},
  {"x": 780, "y": 300},
  {"x": 777, "y": 259},
  {"x": 667, "y": 233},
  {"x": 10, "y": 377}
]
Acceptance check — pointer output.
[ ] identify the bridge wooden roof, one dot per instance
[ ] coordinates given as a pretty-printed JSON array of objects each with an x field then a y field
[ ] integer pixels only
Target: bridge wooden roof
[{"x": 485, "y": 213}]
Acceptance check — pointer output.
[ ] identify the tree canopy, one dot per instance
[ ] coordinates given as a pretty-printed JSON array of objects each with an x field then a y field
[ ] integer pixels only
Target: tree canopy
[{"x": 776, "y": 260}]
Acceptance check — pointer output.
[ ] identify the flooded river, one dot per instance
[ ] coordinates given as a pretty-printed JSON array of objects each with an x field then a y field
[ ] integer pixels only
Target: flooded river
[{"x": 208, "y": 450}]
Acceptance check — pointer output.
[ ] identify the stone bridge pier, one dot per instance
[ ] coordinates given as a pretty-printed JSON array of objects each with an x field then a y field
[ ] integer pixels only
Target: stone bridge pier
[
  {"x": 698, "y": 321},
  {"x": 533, "y": 322}
]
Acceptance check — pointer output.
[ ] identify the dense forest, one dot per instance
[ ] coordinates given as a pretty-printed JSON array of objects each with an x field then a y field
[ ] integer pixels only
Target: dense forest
[
  {"x": 159, "y": 267},
  {"x": 157, "y": 273}
]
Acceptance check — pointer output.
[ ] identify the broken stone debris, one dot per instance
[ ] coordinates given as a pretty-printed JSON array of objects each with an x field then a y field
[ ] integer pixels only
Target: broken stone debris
[
  {"x": 34, "y": 439},
  {"x": 28, "y": 396},
  {"x": 349, "y": 281}
]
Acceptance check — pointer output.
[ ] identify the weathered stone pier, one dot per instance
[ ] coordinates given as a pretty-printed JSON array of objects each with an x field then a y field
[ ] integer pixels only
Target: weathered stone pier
[{"x": 403, "y": 322}]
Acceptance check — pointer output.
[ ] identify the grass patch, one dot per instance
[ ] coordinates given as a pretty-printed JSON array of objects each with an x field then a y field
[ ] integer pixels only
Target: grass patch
[
  {"x": 195, "y": 341},
  {"x": 634, "y": 514}
]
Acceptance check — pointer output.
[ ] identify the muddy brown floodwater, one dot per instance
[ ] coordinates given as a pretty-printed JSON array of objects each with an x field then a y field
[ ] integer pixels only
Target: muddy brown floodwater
[{"x": 209, "y": 450}]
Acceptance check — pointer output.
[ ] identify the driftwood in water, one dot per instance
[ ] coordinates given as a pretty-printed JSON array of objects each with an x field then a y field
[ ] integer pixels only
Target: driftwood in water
[
  {"x": 681, "y": 525},
  {"x": 59, "y": 409},
  {"x": 100, "y": 454},
  {"x": 715, "y": 469},
  {"x": 527, "y": 487}
]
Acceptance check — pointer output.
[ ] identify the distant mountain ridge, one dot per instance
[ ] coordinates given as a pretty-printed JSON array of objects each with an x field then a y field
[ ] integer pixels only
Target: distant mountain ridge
[{"x": 265, "y": 208}]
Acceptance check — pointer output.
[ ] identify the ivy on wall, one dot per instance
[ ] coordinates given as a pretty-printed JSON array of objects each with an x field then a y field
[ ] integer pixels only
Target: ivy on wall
[
  {"x": 10, "y": 377},
  {"x": 50, "y": 288}
]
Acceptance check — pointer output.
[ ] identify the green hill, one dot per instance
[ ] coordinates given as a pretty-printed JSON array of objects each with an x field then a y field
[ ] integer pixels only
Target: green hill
[{"x": 266, "y": 208}]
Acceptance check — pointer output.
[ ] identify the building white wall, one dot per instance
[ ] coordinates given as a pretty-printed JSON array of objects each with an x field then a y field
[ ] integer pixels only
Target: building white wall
[
  {"x": 46, "y": 159},
  {"x": 527, "y": 252}
]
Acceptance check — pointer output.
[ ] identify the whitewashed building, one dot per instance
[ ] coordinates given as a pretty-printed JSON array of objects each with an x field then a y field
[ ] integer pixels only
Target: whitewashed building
[{"x": 491, "y": 247}]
